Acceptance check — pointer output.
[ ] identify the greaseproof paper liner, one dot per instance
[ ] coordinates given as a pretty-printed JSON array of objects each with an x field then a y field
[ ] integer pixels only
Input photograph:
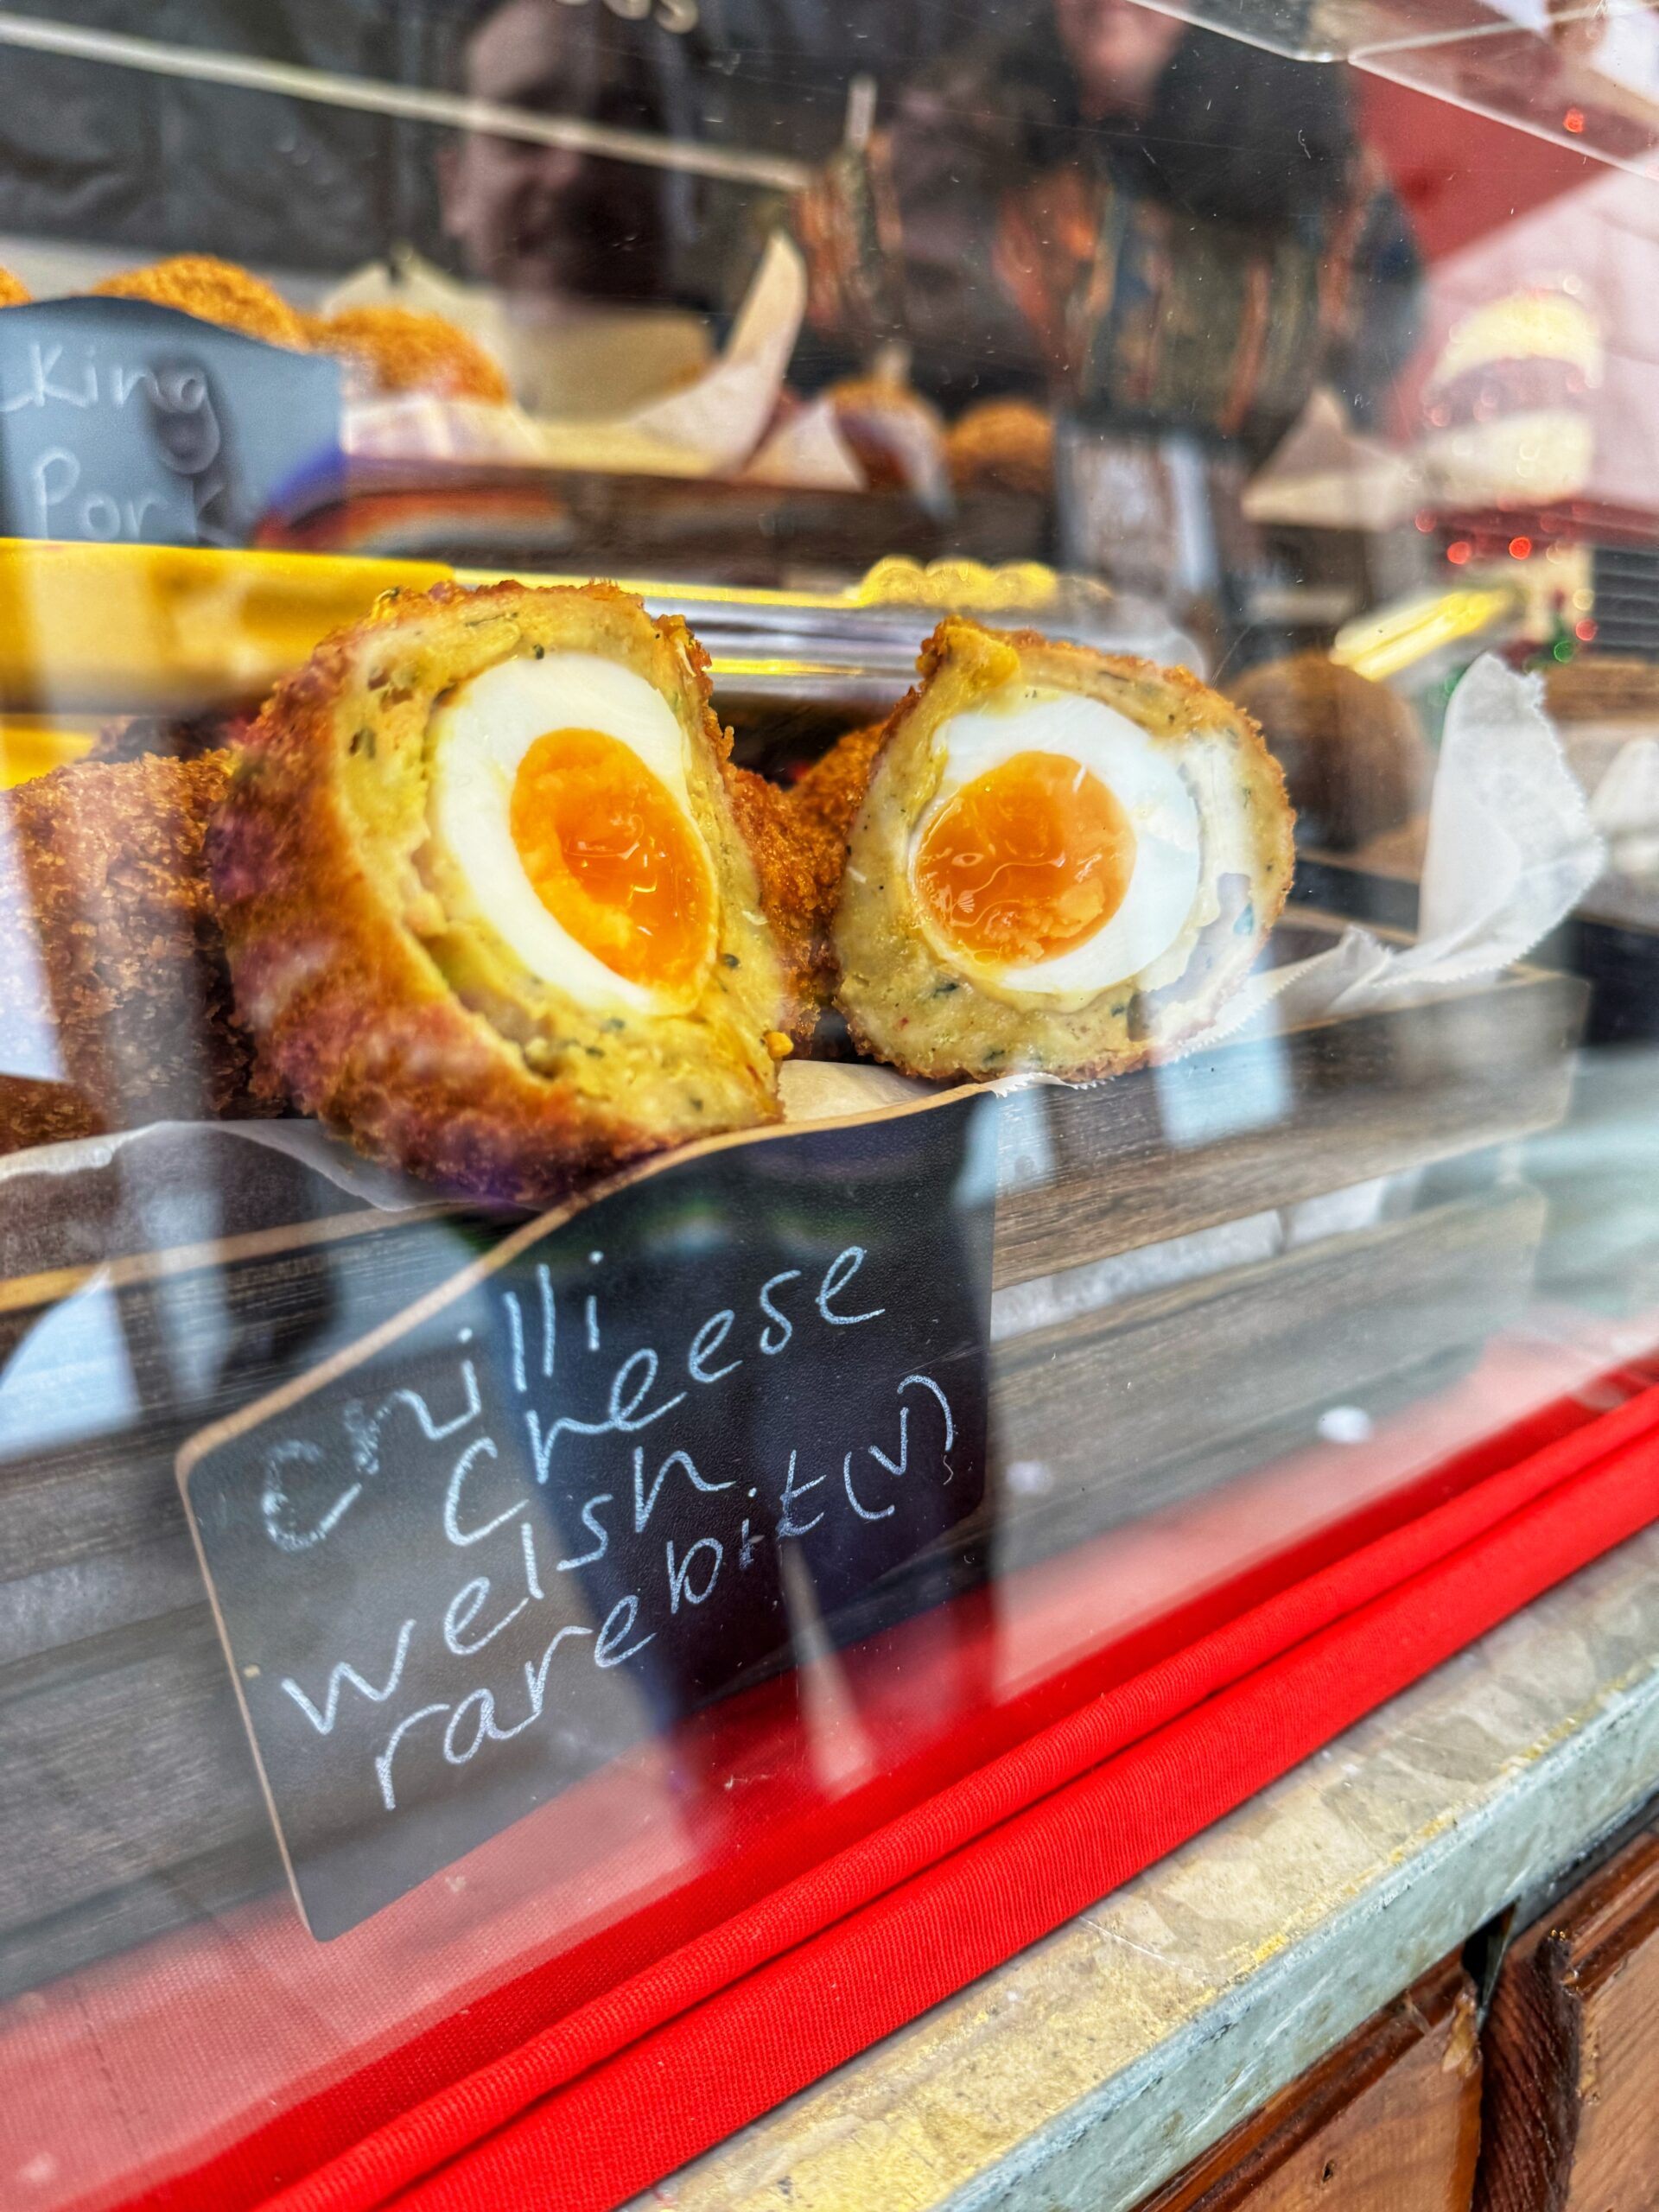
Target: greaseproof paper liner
[
  {"x": 808, "y": 454},
  {"x": 811, "y": 1090},
  {"x": 1327, "y": 475},
  {"x": 711, "y": 428},
  {"x": 1511, "y": 851},
  {"x": 718, "y": 421}
]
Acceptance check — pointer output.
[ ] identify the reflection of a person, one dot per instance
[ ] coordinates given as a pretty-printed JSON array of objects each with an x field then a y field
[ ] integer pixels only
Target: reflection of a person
[
  {"x": 1150, "y": 218},
  {"x": 579, "y": 246}
]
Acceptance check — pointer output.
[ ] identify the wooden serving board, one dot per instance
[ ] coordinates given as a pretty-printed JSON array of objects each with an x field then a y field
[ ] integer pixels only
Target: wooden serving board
[{"x": 129, "y": 1801}]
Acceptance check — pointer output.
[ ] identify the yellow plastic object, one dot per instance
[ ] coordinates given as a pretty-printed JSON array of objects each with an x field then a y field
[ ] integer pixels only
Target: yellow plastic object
[
  {"x": 167, "y": 629},
  {"x": 30, "y": 745},
  {"x": 1380, "y": 645}
]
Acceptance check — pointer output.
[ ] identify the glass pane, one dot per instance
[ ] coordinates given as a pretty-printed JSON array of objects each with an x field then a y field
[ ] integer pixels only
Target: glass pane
[{"x": 586, "y": 1324}]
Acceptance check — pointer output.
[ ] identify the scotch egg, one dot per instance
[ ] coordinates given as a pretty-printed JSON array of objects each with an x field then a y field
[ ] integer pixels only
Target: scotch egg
[
  {"x": 488, "y": 897},
  {"x": 1063, "y": 860}
]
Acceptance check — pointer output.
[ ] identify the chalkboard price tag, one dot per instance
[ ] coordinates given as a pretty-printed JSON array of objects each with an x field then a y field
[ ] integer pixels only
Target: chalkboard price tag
[
  {"x": 119, "y": 420},
  {"x": 545, "y": 1514}
]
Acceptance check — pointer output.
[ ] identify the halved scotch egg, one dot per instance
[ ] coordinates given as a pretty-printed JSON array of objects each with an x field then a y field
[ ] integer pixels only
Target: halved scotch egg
[
  {"x": 1063, "y": 860},
  {"x": 488, "y": 900}
]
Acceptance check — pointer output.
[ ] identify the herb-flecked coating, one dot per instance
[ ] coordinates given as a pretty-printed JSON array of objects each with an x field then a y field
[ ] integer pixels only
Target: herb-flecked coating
[
  {"x": 384, "y": 1003},
  {"x": 904, "y": 1004}
]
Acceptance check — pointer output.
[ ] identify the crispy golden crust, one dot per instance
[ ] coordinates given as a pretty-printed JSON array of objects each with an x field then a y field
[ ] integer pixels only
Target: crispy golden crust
[
  {"x": 404, "y": 350},
  {"x": 13, "y": 293},
  {"x": 1351, "y": 750},
  {"x": 110, "y": 953},
  {"x": 382, "y": 1005},
  {"x": 905, "y": 1005},
  {"x": 217, "y": 291},
  {"x": 800, "y": 840},
  {"x": 129, "y": 737},
  {"x": 1002, "y": 441},
  {"x": 796, "y": 879},
  {"x": 831, "y": 791}
]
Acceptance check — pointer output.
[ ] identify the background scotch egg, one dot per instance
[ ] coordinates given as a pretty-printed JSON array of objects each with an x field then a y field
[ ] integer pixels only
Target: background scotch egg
[
  {"x": 1064, "y": 860},
  {"x": 488, "y": 895}
]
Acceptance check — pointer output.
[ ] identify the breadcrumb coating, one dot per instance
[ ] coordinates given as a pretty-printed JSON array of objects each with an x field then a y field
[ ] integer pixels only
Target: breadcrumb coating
[
  {"x": 382, "y": 998},
  {"x": 905, "y": 1005},
  {"x": 406, "y": 351},
  {"x": 216, "y": 291},
  {"x": 129, "y": 737},
  {"x": 798, "y": 837},
  {"x": 13, "y": 293},
  {"x": 110, "y": 960}
]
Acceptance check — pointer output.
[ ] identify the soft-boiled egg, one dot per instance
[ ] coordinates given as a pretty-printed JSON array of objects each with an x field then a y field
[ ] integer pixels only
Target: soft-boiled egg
[
  {"x": 1060, "y": 854},
  {"x": 558, "y": 788}
]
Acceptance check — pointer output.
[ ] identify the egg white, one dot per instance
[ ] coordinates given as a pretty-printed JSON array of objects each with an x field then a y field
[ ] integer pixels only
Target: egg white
[
  {"x": 477, "y": 739},
  {"x": 1164, "y": 879}
]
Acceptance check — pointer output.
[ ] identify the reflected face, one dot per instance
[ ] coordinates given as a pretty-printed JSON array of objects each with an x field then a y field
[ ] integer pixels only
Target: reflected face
[
  {"x": 546, "y": 219},
  {"x": 1118, "y": 50}
]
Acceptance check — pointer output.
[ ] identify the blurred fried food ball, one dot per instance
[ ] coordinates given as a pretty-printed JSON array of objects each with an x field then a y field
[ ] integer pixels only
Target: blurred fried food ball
[
  {"x": 1352, "y": 751},
  {"x": 216, "y": 291},
  {"x": 1008, "y": 443},
  {"x": 110, "y": 945},
  {"x": 403, "y": 350},
  {"x": 13, "y": 293},
  {"x": 798, "y": 838}
]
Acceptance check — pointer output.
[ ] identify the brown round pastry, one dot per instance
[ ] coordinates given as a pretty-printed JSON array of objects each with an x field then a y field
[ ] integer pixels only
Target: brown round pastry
[
  {"x": 1004, "y": 442},
  {"x": 215, "y": 292},
  {"x": 1063, "y": 860},
  {"x": 13, "y": 293},
  {"x": 896, "y": 436},
  {"x": 403, "y": 350},
  {"x": 1351, "y": 750},
  {"x": 110, "y": 947},
  {"x": 798, "y": 836},
  {"x": 488, "y": 900}
]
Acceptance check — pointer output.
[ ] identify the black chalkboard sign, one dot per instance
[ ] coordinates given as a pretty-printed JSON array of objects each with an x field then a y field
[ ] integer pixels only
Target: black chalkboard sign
[
  {"x": 119, "y": 420},
  {"x": 543, "y": 1514}
]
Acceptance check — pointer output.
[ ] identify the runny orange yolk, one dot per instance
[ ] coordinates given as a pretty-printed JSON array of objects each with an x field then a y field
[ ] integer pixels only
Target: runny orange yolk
[
  {"x": 614, "y": 858},
  {"x": 1026, "y": 861}
]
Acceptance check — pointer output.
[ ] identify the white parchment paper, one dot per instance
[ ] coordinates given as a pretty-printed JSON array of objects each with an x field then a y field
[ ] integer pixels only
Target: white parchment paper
[{"x": 1511, "y": 851}]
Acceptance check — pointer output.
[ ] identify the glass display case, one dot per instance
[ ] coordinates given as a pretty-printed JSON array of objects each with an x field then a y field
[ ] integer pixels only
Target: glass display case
[{"x": 829, "y": 957}]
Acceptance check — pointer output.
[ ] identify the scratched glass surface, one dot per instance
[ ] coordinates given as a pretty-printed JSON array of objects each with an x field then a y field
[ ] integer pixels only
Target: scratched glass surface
[{"x": 536, "y": 1598}]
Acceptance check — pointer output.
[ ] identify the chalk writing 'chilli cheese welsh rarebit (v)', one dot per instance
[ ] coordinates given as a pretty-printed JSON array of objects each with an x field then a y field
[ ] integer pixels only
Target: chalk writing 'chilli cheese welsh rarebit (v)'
[
  {"x": 488, "y": 905},
  {"x": 1061, "y": 860}
]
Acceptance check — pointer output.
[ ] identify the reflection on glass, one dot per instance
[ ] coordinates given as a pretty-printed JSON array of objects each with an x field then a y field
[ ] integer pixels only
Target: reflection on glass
[{"x": 1125, "y": 327}]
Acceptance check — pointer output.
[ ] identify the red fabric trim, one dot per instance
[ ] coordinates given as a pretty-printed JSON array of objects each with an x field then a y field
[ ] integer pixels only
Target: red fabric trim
[
  {"x": 630, "y": 2085},
  {"x": 794, "y": 1827}
]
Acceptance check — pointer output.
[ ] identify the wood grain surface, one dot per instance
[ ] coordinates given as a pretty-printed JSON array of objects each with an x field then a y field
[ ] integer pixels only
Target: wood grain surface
[
  {"x": 108, "y": 1667},
  {"x": 1268, "y": 1121},
  {"x": 1572, "y": 2106},
  {"x": 1389, "y": 2122},
  {"x": 119, "y": 1741}
]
